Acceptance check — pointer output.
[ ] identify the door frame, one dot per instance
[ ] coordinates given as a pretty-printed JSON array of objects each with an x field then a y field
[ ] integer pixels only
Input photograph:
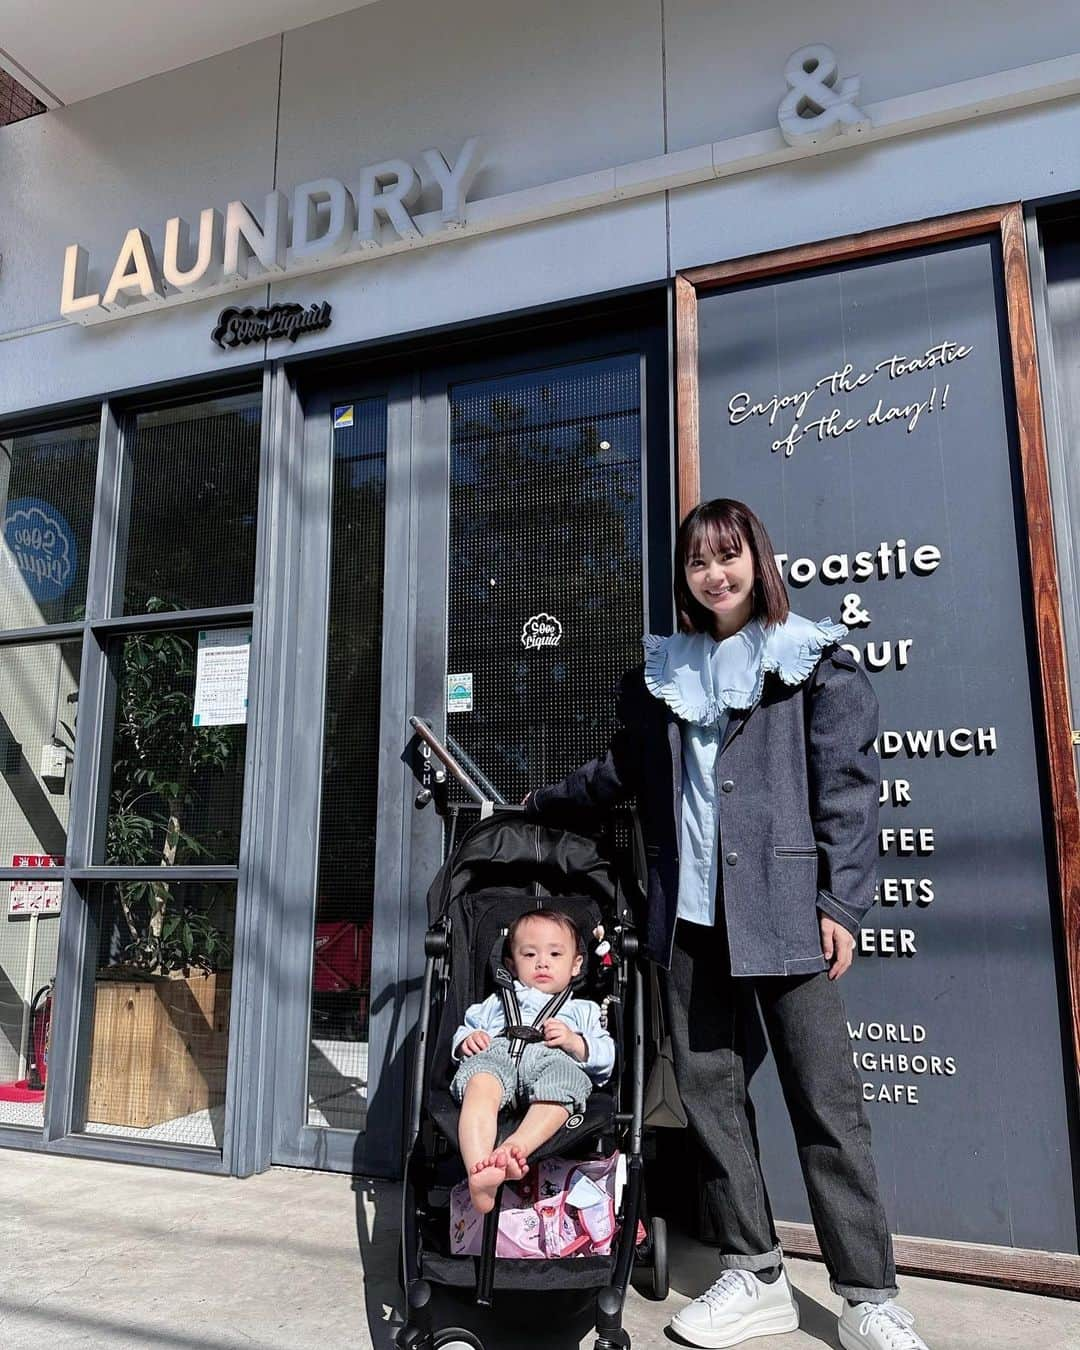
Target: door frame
[
  {"x": 1020, "y": 1268},
  {"x": 376, "y": 1149},
  {"x": 608, "y": 339},
  {"x": 409, "y": 844}
]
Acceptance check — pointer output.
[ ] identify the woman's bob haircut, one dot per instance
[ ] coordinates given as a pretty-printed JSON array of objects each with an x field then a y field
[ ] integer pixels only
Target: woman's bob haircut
[{"x": 722, "y": 525}]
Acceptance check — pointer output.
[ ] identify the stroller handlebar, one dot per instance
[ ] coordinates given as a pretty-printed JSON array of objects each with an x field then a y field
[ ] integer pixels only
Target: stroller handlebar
[{"x": 453, "y": 767}]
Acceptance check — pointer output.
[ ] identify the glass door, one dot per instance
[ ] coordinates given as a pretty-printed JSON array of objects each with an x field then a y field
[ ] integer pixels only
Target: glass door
[
  {"x": 477, "y": 554},
  {"x": 545, "y": 586},
  {"x": 341, "y": 949}
]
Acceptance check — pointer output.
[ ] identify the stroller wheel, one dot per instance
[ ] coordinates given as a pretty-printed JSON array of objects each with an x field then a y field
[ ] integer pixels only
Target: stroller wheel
[
  {"x": 660, "y": 1281},
  {"x": 457, "y": 1338}
]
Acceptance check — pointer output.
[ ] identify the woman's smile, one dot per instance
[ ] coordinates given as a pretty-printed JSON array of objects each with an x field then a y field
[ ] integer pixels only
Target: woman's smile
[{"x": 723, "y": 584}]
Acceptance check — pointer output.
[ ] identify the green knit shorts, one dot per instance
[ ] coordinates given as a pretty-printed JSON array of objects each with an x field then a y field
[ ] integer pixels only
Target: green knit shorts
[{"x": 542, "y": 1074}]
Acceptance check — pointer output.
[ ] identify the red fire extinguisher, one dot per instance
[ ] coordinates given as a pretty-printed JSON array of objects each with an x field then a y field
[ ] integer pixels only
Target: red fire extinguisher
[{"x": 40, "y": 1025}]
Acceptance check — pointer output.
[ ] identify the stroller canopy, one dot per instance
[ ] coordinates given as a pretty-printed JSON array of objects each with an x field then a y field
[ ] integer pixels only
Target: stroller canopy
[{"x": 508, "y": 852}]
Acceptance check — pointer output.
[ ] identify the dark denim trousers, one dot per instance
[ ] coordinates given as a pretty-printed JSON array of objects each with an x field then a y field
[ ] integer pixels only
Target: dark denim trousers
[{"x": 709, "y": 1013}]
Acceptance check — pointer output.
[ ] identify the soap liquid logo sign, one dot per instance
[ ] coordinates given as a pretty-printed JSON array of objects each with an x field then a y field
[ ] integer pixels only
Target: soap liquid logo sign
[
  {"x": 542, "y": 630},
  {"x": 43, "y": 546}
]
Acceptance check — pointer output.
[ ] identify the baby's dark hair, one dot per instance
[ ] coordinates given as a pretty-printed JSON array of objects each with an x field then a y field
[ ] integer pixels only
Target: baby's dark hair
[{"x": 553, "y": 916}]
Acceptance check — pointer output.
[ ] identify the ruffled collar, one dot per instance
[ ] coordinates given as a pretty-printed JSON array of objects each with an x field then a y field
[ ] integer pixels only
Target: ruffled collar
[{"x": 701, "y": 679}]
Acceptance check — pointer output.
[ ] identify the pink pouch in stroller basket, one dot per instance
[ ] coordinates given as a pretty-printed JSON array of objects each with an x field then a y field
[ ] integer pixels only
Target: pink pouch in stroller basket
[{"x": 560, "y": 1208}]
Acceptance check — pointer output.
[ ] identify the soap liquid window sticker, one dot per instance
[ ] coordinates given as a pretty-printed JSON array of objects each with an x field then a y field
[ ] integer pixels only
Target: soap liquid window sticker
[{"x": 42, "y": 544}]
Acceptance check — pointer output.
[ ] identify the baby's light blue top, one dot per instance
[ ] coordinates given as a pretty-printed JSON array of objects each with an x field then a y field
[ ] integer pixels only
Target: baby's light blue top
[
  {"x": 579, "y": 1014},
  {"x": 700, "y": 680}
]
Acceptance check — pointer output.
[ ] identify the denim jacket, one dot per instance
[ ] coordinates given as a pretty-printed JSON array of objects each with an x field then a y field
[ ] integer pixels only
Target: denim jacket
[{"x": 798, "y": 805}]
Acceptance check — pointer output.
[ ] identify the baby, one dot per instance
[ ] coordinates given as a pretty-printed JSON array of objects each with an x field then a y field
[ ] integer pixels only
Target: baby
[{"x": 554, "y": 1075}]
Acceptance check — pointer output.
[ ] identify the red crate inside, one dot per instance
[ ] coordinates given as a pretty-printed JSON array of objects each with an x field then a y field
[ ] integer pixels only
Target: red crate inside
[{"x": 342, "y": 957}]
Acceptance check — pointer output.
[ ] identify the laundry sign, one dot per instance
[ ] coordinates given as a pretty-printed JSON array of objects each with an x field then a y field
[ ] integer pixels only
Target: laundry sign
[{"x": 322, "y": 223}]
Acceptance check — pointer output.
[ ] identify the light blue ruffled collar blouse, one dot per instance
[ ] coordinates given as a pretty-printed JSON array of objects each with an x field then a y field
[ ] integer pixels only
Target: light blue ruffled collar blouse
[{"x": 701, "y": 680}]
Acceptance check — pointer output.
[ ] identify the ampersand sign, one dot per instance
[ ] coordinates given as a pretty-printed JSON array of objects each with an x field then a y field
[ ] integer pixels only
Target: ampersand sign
[
  {"x": 818, "y": 105},
  {"x": 854, "y": 614}
]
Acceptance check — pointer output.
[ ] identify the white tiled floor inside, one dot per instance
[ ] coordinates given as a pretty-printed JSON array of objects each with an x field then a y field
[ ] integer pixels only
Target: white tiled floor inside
[
  {"x": 202, "y": 1129},
  {"x": 337, "y": 1084},
  {"x": 337, "y": 1099},
  {"x": 30, "y": 1115}
]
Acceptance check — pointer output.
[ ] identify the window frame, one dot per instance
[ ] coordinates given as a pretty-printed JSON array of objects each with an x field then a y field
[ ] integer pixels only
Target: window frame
[{"x": 103, "y": 621}]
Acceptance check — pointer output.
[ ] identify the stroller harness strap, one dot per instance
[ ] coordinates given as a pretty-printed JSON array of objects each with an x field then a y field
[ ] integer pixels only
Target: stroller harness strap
[{"x": 519, "y": 1032}]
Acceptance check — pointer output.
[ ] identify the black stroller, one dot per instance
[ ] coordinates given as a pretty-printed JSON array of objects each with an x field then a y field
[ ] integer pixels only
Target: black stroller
[{"x": 497, "y": 869}]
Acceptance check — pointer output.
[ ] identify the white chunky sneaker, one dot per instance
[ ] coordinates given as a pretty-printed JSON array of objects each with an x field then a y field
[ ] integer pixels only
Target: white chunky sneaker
[
  {"x": 736, "y": 1308},
  {"x": 878, "y": 1326}
]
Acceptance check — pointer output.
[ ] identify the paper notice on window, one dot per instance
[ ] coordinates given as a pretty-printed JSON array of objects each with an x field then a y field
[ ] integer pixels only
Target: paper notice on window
[{"x": 221, "y": 678}]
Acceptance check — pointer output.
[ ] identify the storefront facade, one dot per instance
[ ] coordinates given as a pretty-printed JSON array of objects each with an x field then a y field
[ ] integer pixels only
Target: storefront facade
[{"x": 362, "y": 372}]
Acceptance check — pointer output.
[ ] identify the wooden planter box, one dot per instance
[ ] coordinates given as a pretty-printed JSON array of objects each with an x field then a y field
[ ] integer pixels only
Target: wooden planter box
[{"x": 159, "y": 1048}]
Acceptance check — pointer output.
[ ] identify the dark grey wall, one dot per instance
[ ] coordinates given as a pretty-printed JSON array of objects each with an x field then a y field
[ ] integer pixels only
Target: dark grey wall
[{"x": 980, "y": 1150}]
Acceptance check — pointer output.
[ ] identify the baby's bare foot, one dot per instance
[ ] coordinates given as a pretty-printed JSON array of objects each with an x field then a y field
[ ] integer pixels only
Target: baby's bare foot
[
  {"x": 517, "y": 1162},
  {"x": 485, "y": 1179}
]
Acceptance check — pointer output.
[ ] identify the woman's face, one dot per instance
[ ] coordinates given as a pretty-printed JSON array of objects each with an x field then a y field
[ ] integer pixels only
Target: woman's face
[{"x": 723, "y": 584}]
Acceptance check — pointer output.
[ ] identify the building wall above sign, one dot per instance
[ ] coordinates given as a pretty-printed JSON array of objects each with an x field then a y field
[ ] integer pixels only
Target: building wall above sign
[{"x": 325, "y": 223}]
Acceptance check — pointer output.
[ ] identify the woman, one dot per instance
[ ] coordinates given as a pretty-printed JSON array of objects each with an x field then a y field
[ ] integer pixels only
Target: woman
[{"x": 748, "y": 739}]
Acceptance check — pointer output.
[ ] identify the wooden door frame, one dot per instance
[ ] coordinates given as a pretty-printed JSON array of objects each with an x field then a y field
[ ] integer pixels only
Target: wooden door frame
[{"x": 1044, "y": 1272}]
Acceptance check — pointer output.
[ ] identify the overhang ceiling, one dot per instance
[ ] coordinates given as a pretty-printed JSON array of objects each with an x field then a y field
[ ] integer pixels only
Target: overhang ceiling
[{"x": 66, "y": 50}]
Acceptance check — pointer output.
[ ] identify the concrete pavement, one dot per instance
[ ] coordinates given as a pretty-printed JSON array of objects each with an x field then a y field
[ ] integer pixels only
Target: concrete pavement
[{"x": 101, "y": 1255}]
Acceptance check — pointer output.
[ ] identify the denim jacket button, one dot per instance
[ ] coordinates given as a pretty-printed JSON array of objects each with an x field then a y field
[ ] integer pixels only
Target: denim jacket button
[
  {"x": 727, "y": 785},
  {"x": 732, "y": 859}
]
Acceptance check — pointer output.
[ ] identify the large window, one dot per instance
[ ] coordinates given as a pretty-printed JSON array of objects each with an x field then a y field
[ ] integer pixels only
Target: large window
[
  {"x": 162, "y": 1001},
  {"x": 46, "y": 510},
  {"x": 194, "y": 483},
  {"x": 149, "y": 620},
  {"x": 174, "y": 717},
  {"x": 177, "y": 785},
  {"x": 39, "y": 685}
]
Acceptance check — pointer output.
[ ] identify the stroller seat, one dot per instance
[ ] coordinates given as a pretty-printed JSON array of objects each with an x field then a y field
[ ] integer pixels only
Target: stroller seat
[
  {"x": 490, "y": 912},
  {"x": 598, "y": 1118},
  {"x": 501, "y": 868}
]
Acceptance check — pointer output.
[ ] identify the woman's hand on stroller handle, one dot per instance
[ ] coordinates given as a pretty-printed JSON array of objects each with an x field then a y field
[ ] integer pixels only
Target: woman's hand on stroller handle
[{"x": 473, "y": 1043}]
